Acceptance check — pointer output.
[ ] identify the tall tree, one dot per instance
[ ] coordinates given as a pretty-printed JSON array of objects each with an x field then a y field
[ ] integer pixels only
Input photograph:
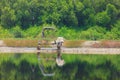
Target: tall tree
[
  {"x": 112, "y": 12},
  {"x": 8, "y": 17}
]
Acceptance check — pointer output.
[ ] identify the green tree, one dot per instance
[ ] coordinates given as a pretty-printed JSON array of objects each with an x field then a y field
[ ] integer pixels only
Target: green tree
[
  {"x": 26, "y": 13},
  {"x": 8, "y": 17},
  {"x": 50, "y": 7},
  {"x": 78, "y": 8},
  {"x": 112, "y": 12},
  {"x": 98, "y": 5},
  {"x": 17, "y": 32},
  {"x": 102, "y": 19},
  {"x": 21, "y": 8}
]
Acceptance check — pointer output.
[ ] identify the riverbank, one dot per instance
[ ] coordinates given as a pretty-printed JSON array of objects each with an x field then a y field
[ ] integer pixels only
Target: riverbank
[{"x": 64, "y": 50}]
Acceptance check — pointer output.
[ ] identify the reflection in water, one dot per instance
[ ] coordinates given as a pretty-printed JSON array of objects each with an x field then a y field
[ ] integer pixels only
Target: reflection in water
[
  {"x": 59, "y": 61},
  {"x": 41, "y": 67},
  {"x": 77, "y": 67}
]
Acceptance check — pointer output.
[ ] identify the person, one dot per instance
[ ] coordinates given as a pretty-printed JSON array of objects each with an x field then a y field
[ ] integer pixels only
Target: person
[{"x": 59, "y": 61}]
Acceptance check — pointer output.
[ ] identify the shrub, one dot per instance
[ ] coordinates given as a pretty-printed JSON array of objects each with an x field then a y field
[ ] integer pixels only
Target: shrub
[
  {"x": 4, "y": 33},
  {"x": 114, "y": 34},
  {"x": 17, "y": 32},
  {"x": 68, "y": 33},
  {"x": 32, "y": 32},
  {"x": 93, "y": 33}
]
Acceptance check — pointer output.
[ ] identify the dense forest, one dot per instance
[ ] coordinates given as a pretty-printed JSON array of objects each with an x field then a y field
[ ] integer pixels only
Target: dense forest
[{"x": 79, "y": 17}]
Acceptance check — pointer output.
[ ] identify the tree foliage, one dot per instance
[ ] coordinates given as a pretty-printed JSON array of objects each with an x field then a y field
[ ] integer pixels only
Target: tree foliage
[
  {"x": 102, "y": 19},
  {"x": 25, "y": 17},
  {"x": 25, "y": 13},
  {"x": 112, "y": 12}
]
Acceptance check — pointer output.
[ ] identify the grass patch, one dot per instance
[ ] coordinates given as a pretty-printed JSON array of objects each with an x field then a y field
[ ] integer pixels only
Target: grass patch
[
  {"x": 20, "y": 43},
  {"x": 73, "y": 43},
  {"x": 44, "y": 43},
  {"x": 67, "y": 43}
]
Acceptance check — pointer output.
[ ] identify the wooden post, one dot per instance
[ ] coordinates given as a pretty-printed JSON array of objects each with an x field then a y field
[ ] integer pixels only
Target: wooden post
[{"x": 38, "y": 48}]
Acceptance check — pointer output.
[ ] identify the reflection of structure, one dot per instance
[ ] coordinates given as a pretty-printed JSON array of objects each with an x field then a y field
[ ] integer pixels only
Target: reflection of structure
[{"x": 57, "y": 42}]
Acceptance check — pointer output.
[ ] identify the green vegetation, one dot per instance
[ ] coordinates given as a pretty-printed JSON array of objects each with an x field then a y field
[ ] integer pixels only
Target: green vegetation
[
  {"x": 74, "y": 19},
  {"x": 68, "y": 43},
  {"x": 20, "y": 43},
  {"x": 93, "y": 67}
]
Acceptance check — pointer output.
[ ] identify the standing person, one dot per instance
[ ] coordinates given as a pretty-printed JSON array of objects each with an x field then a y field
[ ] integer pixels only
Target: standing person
[{"x": 59, "y": 61}]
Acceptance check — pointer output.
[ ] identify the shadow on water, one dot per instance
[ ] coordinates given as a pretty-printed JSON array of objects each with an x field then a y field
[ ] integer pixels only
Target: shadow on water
[{"x": 77, "y": 70}]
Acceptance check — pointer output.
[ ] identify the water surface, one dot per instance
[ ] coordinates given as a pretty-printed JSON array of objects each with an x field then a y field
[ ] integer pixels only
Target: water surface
[{"x": 77, "y": 67}]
